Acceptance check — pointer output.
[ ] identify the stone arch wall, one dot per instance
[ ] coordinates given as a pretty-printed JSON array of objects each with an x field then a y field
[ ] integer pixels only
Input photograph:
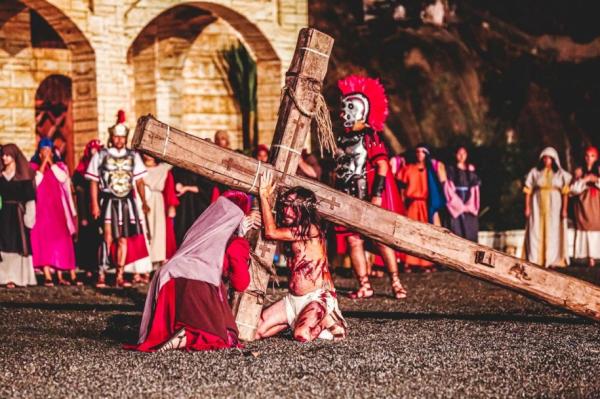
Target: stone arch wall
[
  {"x": 53, "y": 114},
  {"x": 98, "y": 35},
  {"x": 268, "y": 29},
  {"x": 82, "y": 70},
  {"x": 156, "y": 59},
  {"x": 207, "y": 100}
]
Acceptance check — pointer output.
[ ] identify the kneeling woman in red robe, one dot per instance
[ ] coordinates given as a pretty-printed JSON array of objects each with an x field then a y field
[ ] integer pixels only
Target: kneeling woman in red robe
[{"x": 186, "y": 306}]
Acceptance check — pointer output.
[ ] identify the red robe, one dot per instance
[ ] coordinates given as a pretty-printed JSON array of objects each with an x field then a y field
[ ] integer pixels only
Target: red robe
[
  {"x": 199, "y": 307},
  {"x": 171, "y": 199}
]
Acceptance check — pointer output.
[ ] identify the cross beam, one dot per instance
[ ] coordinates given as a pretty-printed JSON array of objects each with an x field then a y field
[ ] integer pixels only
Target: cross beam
[{"x": 420, "y": 239}]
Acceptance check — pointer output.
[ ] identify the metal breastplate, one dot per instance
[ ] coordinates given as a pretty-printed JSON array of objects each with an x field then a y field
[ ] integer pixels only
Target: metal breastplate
[
  {"x": 117, "y": 173},
  {"x": 351, "y": 165}
]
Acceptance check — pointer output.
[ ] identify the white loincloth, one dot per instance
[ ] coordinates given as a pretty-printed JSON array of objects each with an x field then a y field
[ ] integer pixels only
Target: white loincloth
[{"x": 295, "y": 304}]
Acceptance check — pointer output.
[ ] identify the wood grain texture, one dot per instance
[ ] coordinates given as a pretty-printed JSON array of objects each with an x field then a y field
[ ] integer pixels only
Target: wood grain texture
[
  {"x": 302, "y": 86},
  {"x": 424, "y": 240}
]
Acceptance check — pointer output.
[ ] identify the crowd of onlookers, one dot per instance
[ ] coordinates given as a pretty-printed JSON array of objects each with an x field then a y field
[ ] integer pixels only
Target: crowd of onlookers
[{"x": 47, "y": 222}]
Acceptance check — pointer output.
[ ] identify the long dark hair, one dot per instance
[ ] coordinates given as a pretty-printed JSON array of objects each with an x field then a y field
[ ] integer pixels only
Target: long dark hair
[
  {"x": 23, "y": 170},
  {"x": 540, "y": 165},
  {"x": 305, "y": 206}
]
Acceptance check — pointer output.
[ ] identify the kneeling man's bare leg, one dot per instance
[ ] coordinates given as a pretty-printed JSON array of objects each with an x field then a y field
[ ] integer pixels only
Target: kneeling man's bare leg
[
  {"x": 272, "y": 321},
  {"x": 309, "y": 322}
]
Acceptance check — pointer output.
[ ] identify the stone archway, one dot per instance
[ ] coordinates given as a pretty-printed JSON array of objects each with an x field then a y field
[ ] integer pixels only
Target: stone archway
[
  {"x": 83, "y": 71},
  {"x": 154, "y": 46},
  {"x": 53, "y": 114}
]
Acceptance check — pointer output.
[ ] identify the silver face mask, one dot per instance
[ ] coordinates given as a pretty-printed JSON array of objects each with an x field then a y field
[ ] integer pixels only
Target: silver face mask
[{"x": 355, "y": 108}]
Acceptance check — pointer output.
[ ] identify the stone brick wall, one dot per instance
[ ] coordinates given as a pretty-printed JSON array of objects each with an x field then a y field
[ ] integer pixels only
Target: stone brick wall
[
  {"x": 208, "y": 104},
  {"x": 22, "y": 70},
  {"x": 99, "y": 37}
]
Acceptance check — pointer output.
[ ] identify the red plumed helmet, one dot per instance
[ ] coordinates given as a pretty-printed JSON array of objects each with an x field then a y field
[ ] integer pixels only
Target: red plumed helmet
[
  {"x": 361, "y": 89},
  {"x": 120, "y": 116},
  {"x": 119, "y": 128}
]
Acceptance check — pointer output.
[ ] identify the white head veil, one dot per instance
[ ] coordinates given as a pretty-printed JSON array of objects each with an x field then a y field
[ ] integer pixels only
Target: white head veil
[
  {"x": 552, "y": 153},
  {"x": 200, "y": 256}
]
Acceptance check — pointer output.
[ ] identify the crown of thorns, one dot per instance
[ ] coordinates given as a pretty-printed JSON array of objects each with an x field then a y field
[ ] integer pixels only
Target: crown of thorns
[{"x": 284, "y": 200}]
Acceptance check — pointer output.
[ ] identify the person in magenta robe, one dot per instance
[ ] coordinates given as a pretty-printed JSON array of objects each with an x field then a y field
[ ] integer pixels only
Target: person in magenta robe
[
  {"x": 186, "y": 306},
  {"x": 55, "y": 224}
]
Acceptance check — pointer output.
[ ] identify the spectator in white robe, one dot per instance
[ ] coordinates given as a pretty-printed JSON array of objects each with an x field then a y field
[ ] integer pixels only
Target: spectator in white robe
[{"x": 546, "y": 193}]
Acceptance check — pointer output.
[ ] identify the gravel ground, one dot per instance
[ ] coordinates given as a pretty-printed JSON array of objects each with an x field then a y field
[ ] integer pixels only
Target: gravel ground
[{"x": 453, "y": 337}]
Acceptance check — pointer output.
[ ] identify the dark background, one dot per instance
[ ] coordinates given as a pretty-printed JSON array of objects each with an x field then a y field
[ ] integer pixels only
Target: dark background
[{"x": 507, "y": 78}]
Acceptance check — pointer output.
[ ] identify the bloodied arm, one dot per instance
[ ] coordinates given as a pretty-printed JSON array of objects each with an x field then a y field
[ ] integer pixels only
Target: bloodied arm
[{"x": 272, "y": 232}]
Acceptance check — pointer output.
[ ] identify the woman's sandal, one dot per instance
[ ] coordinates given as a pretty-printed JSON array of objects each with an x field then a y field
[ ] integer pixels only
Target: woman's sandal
[
  {"x": 365, "y": 291},
  {"x": 399, "y": 290},
  {"x": 10, "y": 285},
  {"x": 48, "y": 283},
  {"x": 120, "y": 281},
  {"x": 178, "y": 341},
  {"x": 63, "y": 282},
  {"x": 137, "y": 279},
  {"x": 101, "y": 283}
]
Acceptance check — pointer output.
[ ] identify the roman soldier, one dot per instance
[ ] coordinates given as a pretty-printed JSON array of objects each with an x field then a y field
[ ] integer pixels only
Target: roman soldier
[
  {"x": 113, "y": 172},
  {"x": 363, "y": 171}
]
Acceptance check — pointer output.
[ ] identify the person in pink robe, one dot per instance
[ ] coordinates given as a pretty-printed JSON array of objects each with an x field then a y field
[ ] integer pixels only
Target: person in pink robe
[
  {"x": 55, "y": 225},
  {"x": 462, "y": 197}
]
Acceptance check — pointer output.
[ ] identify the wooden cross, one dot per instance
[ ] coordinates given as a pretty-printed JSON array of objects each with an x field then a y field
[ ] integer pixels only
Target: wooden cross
[{"x": 420, "y": 239}]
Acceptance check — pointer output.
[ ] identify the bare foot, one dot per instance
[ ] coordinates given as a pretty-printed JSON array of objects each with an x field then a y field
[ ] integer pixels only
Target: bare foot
[
  {"x": 122, "y": 283},
  {"x": 63, "y": 282}
]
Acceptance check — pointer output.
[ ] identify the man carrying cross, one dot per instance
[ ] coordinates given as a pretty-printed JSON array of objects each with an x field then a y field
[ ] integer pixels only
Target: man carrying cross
[
  {"x": 311, "y": 307},
  {"x": 427, "y": 241}
]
